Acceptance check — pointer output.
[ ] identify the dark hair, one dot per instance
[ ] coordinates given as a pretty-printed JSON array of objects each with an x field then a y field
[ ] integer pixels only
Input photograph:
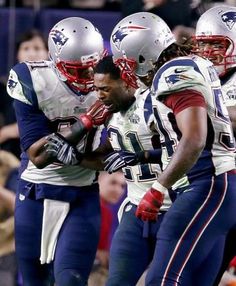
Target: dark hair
[
  {"x": 106, "y": 66},
  {"x": 29, "y": 35},
  {"x": 172, "y": 51}
]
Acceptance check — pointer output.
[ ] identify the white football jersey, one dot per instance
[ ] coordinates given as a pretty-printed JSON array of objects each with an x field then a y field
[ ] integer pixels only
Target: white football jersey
[
  {"x": 194, "y": 73},
  {"x": 131, "y": 131},
  {"x": 37, "y": 85}
]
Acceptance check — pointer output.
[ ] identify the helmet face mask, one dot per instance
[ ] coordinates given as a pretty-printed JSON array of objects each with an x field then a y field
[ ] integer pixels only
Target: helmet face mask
[
  {"x": 137, "y": 42},
  {"x": 215, "y": 37},
  {"x": 216, "y": 50},
  {"x": 75, "y": 47},
  {"x": 127, "y": 69}
]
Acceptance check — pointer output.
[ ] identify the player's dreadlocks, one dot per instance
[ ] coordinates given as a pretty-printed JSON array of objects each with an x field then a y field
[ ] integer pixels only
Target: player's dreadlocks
[{"x": 172, "y": 51}]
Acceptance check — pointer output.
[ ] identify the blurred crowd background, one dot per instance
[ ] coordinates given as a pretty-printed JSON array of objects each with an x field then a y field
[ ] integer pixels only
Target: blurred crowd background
[{"x": 24, "y": 26}]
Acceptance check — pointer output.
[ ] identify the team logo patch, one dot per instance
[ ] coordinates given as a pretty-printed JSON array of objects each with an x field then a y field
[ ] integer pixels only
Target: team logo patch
[
  {"x": 231, "y": 94},
  {"x": 59, "y": 39},
  {"x": 229, "y": 18},
  {"x": 134, "y": 118},
  {"x": 173, "y": 78},
  {"x": 11, "y": 84},
  {"x": 122, "y": 32},
  {"x": 76, "y": 110}
]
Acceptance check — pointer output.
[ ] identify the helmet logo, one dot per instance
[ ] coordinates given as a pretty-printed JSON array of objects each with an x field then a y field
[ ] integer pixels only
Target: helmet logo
[
  {"x": 122, "y": 32},
  {"x": 229, "y": 18},
  {"x": 59, "y": 39}
]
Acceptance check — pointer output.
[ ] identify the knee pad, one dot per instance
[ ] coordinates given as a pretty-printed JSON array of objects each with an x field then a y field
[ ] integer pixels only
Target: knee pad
[{"x": 70, "y": 277}]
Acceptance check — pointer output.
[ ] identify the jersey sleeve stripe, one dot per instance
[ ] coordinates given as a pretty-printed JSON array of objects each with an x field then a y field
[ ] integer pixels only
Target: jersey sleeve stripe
[
  {"x": 148, "y": 108},
  {"x": 25, "y": 79}
]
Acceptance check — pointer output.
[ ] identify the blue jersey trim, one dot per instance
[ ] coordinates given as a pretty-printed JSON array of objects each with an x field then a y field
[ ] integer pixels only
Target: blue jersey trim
[
  {"x": 148, "y": 107},
  {"x": 25, "y": 79}
]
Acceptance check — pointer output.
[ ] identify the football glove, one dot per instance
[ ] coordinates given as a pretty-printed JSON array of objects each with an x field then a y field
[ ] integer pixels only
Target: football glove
[
  {"x": 96, "y": 115},
  {"x": 119, "y": 159},
  {"x": 150, "y": 204},
  {"x": 60, "y": 149}
]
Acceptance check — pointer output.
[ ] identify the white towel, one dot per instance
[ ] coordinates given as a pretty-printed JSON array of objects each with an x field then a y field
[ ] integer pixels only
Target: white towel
[{"x": 54, "y": 214}]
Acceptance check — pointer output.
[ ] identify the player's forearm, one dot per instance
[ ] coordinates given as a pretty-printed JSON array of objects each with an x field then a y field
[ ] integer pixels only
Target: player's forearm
[
  {"x": 150, "y": 156},
  {"x": 185, "y": 156},
  {"x": 93, "y": 161},
  {"x": 96, "y": 115},
  {"x": 76, "y": 132},
  {"x": 38, "y": 155}
]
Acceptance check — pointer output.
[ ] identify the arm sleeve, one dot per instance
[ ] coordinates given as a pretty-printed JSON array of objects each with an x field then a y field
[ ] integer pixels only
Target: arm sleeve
[
  {"x": 32, "y": 123},
  {"x": 179, "y": 101}
]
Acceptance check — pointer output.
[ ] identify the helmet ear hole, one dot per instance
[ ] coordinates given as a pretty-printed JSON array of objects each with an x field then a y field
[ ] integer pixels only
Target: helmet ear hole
[
  {"x": 141, "y": 37},
  {"x": 141, "y": 59}
]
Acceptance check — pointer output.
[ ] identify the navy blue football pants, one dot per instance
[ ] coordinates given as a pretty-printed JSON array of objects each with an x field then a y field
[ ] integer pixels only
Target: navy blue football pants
[
  {"x": 191, "y": 238},
  {"x": 132, "y": 248},
  {"x": 76, "y": 245}
]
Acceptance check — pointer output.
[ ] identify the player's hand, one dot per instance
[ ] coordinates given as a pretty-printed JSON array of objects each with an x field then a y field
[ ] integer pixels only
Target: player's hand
[
  {"x": 150, "y": 205},
  {"x": 96, "y": 115},
  {"x": 60, "y": 149},
  {"x": 119, "y": 159}
]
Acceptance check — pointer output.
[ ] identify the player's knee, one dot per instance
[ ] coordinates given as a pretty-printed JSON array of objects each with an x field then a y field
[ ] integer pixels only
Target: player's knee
[{"x": 70, "y": 277}]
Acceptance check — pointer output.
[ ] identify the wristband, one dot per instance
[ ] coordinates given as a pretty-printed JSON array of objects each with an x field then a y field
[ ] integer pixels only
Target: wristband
[{"x": 159, "y": 187}]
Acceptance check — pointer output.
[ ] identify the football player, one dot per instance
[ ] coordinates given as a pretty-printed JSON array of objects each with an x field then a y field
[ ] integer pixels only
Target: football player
[
  {"x": 216, "y": 39},
  {"x": 130, "y": 133},
  {"x": 57, "y": 216},
  {"x": 197, "y": 151}
]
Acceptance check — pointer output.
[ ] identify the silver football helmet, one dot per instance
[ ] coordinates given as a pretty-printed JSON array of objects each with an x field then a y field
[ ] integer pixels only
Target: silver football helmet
[
  {"x": 215, "y": 37},
  {"x": 75, "y": 47},
  {"x": 137, "y": 42}
]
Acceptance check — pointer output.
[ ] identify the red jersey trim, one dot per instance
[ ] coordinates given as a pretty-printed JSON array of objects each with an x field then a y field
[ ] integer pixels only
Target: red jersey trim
[{"x": 181, "y": 100}]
